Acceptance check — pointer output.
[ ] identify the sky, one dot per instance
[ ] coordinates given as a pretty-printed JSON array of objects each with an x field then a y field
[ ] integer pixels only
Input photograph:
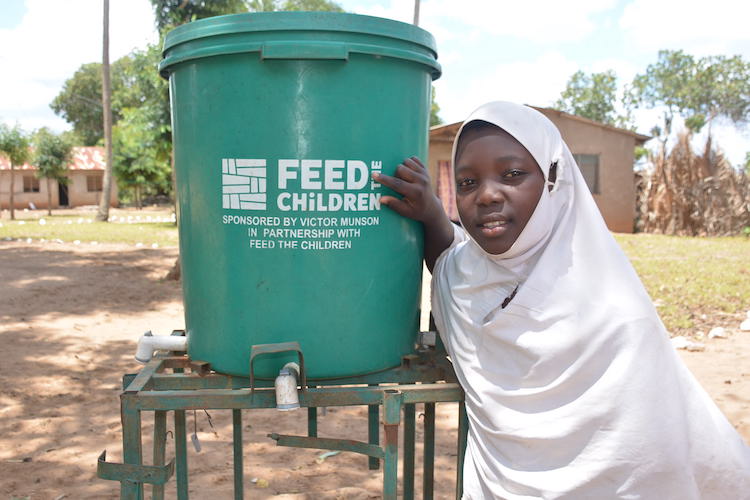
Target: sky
[{"x": 522, "y": 51}]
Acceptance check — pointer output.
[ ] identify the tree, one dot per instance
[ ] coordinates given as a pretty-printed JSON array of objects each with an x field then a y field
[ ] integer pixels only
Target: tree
[
  {"x": 80, "y": 100},
  {"x": 171, "y": 13},
  {"x": 103, "y": 212},
  {"x": 310, "y": 5},
  {"x": 434, "y": 110},
  {"x": 721, "y": 90},
  {"x": 592, "y": 96},
  {"x": 14, "y": 144},
  {"x": 700, "y": 90},
  {"x": 665, "y": 84},
  {"x": 52, "y": 155},
  {"x": 143, "y": 136},
  {"x": 137, "y": 163}
]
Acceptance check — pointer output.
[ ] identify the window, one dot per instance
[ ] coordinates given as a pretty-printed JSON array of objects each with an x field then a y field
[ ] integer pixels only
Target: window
[
  {"x": 589, "y": 165},
  {"x": 30, "y": 184},
  {"x": 94, "y": 183}
]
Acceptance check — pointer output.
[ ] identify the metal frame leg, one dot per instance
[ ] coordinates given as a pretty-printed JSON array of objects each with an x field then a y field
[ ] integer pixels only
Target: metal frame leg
[
  {"x": 160, "y": 449},
  {"x": 463, "y": 432},
  {"x": 373, "y": 432},
  {"x": 428, "y": 477},
  {"x": 180, "y": 445},
  {"x": 392, "y": 402},
  {"x": 409, "y": 446},
  {"x": 131, "y": 446},
  {"x": 239, "y": 488}
]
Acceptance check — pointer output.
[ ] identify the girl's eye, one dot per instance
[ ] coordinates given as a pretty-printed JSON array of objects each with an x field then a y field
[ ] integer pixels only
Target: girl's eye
[
  {"x": 465, "y": 183},
  {"x": 514, "y": 172}
]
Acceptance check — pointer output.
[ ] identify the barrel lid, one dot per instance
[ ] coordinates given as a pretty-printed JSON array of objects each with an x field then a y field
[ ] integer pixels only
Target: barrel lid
[{"x": 293, "y": 21}]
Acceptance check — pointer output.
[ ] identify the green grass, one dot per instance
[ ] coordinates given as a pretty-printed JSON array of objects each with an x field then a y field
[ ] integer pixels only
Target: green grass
[
  {"x": 697, "y": 283},
  {"x": 70, "y": 226}
]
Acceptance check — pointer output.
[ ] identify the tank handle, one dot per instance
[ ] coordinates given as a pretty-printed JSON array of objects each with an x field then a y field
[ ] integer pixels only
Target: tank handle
[
  {"x": 304, "y": 50},
  {"x": 261, "y": 349}
]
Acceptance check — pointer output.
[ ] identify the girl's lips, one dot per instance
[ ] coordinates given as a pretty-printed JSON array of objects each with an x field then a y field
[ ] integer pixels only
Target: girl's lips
[{"x": 493, "y": 226}]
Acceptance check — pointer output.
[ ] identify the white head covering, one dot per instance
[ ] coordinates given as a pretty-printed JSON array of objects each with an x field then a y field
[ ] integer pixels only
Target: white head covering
[{"x": 573, "y": 390}]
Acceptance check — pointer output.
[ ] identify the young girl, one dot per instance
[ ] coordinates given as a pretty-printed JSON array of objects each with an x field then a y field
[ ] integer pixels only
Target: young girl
[{"x": 573, "y": 389}]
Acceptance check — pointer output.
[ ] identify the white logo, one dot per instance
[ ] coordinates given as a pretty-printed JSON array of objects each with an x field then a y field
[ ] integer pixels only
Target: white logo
[{"x": 243, "y": 183}]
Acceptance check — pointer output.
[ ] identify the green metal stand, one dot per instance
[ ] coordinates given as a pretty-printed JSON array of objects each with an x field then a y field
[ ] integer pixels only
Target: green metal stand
[{"x": 177, "y": 384}]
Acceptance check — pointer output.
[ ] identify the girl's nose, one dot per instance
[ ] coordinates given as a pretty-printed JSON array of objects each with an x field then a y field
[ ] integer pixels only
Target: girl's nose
[{"x": 490, "y": 193}]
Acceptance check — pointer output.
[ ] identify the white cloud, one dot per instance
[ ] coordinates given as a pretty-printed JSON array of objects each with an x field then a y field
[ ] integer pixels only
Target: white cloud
[
  {"x": 698, "y": 27},
  {"x": 537, "y": 82},
  {"x": 52, "y": 40},
  {"x": 537, "y": 21}
]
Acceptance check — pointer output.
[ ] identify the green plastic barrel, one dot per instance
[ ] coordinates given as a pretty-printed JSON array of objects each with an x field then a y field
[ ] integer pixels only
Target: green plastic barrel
[{"x": 278, "y": 121}]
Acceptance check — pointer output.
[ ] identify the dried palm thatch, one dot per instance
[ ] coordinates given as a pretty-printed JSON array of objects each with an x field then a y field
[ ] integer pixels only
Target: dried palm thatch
[{"x": 693, "y": 195}]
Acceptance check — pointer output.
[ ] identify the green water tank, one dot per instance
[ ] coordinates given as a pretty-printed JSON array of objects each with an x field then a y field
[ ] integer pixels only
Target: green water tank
[{"x": 278, "y": 121}]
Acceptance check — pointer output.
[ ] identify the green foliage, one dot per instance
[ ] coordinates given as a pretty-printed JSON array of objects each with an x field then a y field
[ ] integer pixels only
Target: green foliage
[
  {"x": 142, "y": 139},
  {"x": 592, "y": 96},
  {"x": 434, "y": 111},
  {"x": 640, "y": 152},
  {"x": 137, "y": 157},
  {"x": 80, "y": 100},
  {"x": 701, "y": 90},
  {"x": 747, "y": 163},
  {"x": 52, "y": 155},
  {"x": 310, "y": 5},
  {"x": 171, "y": 13},
  {"x": 14, "y": 144}
]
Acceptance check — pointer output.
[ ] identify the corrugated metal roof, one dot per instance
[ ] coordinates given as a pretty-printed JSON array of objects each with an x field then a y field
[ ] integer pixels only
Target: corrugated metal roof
[{"x": 84, "y": 158}]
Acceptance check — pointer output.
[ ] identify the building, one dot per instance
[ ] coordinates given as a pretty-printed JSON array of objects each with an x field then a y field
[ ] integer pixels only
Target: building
[
  {"x": 605, "y": 155},
  {"x": 85, "y": 172}
]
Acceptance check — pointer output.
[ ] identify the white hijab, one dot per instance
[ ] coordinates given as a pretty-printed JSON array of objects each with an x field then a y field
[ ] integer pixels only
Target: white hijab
[{"x": 573, "y": 390}]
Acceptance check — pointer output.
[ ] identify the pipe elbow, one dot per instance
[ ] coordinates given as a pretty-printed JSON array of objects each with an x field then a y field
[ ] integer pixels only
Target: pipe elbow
[
  {"x": 149, "y": 343},
  {"x": 287, "y": 397}
]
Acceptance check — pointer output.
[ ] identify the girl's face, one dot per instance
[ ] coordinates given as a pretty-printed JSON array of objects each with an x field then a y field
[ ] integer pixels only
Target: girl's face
[{"x": 498, "y": 184}]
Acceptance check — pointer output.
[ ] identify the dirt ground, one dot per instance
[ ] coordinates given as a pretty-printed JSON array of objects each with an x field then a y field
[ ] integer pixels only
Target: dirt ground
[{"x": 69, "y": 319}]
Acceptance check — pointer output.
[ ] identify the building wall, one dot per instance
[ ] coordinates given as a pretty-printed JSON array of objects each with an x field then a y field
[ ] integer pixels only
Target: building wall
[
  {"x": 78, "y": 193},
  {"x": 616, "y": 197},
  {"x": 439, "y": 150},
  {"x": 21, "y": 199}
]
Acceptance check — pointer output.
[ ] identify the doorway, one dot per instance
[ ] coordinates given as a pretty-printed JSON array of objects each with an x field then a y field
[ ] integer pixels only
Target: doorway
[{"x": 62, "y": 193}]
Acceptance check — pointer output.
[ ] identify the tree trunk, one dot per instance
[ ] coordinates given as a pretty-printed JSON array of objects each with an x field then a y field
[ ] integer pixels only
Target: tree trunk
[
  {"x": 103, "y": 213},
  {"x": 49, "y": 196},
  {"x": 175, "y": 272},
  {"x": 12, "y": 188}
]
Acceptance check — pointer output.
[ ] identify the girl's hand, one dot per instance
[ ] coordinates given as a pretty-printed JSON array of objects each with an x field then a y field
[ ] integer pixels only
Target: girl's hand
[
  {"x": 418, "y": 202},
  {"x": 412, "y": 182}
]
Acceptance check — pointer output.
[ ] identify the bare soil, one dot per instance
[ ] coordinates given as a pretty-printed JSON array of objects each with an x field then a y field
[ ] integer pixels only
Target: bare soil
[{"x": 69, "y": 319}]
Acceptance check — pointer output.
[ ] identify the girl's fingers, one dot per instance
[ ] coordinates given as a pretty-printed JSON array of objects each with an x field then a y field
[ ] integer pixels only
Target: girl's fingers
[
  {"x": 401, "y": 186},
  {"x": 415, "y": 164},
  {"x": 398, "y": 206},
  {"x": 407, "y": 173}
]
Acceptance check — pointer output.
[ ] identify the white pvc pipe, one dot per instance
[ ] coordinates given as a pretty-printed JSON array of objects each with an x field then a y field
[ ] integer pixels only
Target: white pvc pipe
[
  {"x": 149, "y": 343},
  {"x": 287, "y": 397}
]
